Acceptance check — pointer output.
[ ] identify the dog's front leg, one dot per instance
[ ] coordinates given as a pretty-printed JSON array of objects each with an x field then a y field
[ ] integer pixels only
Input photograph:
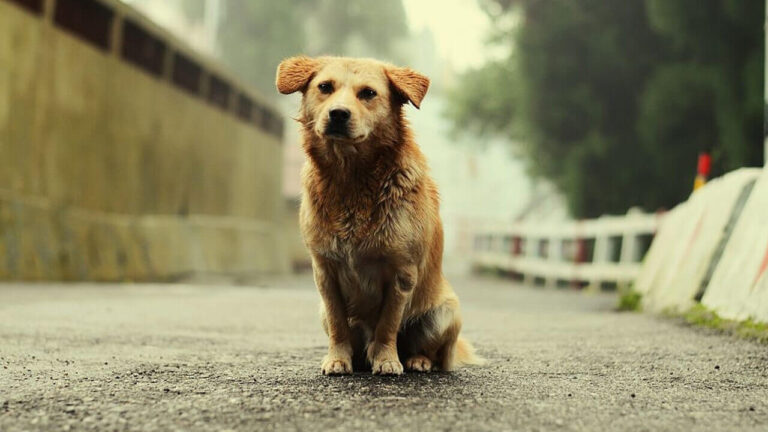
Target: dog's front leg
[
  {"x": 382, "y": 352},
  {"x": 339, "y": 358}
]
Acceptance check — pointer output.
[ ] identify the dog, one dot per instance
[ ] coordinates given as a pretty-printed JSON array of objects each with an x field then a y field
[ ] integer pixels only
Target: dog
[{"x": 370, "y": 219}]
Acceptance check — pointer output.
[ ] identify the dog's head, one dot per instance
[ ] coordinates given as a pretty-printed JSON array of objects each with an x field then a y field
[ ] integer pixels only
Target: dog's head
[{"x": 349, "y": 100}]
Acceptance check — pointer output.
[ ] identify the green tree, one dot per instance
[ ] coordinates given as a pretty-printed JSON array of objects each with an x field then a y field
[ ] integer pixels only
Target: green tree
[
  {"x": 613, "y": 100},
  {"x": 718, "y": 44},
  {"x": 354, "y": 27},
  {"x": 255, "y": 35}
]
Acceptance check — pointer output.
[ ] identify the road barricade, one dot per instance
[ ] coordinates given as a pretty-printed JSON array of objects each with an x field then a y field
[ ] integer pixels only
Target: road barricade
[
  {"x": 685, "y": 252},
  {"x": 739, "y": 286}
]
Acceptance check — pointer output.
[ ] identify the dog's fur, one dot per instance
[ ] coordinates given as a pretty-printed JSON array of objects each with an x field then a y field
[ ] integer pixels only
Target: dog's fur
[{"x": 369, "y": 216}]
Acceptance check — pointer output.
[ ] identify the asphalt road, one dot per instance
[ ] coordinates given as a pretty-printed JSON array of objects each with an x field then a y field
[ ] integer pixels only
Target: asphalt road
[{"x": 191, "y": 357}]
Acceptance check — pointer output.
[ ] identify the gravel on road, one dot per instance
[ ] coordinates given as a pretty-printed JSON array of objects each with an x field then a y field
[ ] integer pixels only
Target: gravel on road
[{"x": 106, "y": 357}]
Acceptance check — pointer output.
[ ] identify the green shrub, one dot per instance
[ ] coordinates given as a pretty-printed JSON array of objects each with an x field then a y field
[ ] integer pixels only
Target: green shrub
[
  {"x": 748, "y": 329},
  {"x": 630, "y": 301}
]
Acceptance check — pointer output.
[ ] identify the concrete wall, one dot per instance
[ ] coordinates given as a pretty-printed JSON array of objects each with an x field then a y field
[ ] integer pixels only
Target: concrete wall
[
  {"x": 108, "y": 172},
  {"x": 293, "y": 241}
]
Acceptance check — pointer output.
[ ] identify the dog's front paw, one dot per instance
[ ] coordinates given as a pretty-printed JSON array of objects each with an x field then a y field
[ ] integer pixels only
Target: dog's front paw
[
  {"x": 387, "y": 367},
  {"x": 337, "y": 366},
  {"x": 384, "y": 359},
  {"x": 418, "y": 363}
]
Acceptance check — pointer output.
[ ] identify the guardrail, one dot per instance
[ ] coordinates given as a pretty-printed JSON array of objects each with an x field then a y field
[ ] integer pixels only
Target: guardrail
[
  {"x": 712, "y": 249},
  {"x": 598, "y": 253}
]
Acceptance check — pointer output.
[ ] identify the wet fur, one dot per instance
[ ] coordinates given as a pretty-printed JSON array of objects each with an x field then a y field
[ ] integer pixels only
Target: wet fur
[{"x": 370, "y": 219}]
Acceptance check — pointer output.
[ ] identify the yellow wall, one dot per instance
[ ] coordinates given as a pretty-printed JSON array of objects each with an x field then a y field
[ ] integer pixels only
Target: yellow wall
[{"x": 110, "y": 173}]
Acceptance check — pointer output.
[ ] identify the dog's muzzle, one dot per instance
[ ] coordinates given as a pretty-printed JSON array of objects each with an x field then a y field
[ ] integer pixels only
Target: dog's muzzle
[{"x": 338, "y": 123}]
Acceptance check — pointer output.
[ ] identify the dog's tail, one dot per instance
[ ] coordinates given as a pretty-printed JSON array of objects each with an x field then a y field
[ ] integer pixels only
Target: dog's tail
[{"x": 466, "y": 355}]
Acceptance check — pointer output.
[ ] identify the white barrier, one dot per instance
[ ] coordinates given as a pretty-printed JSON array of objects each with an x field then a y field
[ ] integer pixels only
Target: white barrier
[
  {"x": 596, "y": 252},
  {"x": 713, "y": 247},
  {"x": 739, "y": 286},
  {"x": 683, "y": 252}
]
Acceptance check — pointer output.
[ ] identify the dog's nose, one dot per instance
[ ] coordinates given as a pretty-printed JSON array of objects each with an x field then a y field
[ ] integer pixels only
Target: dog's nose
[{"x": 339, "y": 115}]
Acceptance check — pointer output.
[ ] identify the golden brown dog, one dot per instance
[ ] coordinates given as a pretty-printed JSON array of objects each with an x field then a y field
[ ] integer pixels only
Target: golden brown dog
[{"x": 369, "y": 216}]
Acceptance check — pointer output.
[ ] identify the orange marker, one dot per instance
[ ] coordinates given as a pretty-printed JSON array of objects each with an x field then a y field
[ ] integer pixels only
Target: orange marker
[{"x": 703, "y": 170}]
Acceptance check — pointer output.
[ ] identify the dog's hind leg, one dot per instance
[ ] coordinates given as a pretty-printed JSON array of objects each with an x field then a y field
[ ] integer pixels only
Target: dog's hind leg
[{"x": 428, "y": 341}]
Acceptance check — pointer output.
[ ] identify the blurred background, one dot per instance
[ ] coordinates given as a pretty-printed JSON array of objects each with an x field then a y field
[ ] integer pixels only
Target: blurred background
[{"x": 144, "y": 139}]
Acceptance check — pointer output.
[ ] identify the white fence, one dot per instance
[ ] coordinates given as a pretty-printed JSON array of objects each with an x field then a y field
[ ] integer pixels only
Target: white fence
[
  {"x": 603, "y": 252},
  {"x": 712, "y": 248}
]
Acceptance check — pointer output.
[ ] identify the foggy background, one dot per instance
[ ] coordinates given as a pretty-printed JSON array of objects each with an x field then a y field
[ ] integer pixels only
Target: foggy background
[
  {"x": 538, "y": 111},
  {"x": 480, "y": 178},
  {"x": 152, "y": 272}
]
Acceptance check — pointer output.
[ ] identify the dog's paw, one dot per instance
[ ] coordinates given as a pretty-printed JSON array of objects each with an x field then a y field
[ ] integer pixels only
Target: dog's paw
[
  {"x": 418, "y": 363},
  {"x": 387, "y": 367},
  {"x": 337, "y": 366}
]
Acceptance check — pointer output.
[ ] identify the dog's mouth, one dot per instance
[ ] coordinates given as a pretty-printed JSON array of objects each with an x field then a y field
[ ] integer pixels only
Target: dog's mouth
[
  {"x": 342, "y": 134},
  {"x": 337, "y": 132}
]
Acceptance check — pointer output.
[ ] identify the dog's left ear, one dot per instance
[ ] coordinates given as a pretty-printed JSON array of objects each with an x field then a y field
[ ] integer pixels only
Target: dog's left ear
[
  {"x": 294, "y": 73},
  {"x": 410, "y": 84}
]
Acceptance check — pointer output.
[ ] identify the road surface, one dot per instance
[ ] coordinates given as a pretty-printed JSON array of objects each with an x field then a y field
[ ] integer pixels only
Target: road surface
[{"x": 192, "y": 357}]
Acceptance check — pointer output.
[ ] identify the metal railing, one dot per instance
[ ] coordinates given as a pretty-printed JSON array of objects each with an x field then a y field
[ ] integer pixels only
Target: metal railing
[{"x": 599, "y": 253}]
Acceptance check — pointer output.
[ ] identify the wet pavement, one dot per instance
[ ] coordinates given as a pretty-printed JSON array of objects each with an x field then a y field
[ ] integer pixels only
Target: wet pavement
[{"x": 109, "y": 357}]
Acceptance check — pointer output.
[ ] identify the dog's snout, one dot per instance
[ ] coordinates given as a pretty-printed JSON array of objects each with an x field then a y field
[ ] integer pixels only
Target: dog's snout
[
  {"x": 338, "y": 122},
  {"x": 339, "y": 115}
]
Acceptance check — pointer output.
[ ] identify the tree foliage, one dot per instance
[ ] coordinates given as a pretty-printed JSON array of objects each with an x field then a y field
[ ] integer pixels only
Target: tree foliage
[
  {"x": 254, "y": 35},
  {"x": 360, "y": 28},
  {"x": 614, "y": 100}
]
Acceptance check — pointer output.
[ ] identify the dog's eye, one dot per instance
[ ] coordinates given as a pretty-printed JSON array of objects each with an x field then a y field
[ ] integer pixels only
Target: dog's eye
[
  {"x": 367, "y": 93},
  {"x": 325, "y": 87}
]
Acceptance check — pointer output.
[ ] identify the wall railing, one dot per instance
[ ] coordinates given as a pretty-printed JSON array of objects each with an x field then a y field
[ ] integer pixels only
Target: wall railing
[{"x": 121, "y": 31}]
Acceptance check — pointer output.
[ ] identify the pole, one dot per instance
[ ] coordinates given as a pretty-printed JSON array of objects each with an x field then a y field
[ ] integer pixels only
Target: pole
[{"x": 212, "y": 13}]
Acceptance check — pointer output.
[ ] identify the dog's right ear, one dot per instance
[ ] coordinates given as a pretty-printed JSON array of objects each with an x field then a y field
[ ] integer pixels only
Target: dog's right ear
[{"x": 294, "y": 73}]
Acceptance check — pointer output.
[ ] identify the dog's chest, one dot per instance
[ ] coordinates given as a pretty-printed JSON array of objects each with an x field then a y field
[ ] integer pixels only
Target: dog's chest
[
  {"x": 362, "y": 282},
  {"x": 354, "y": 237},
  {"x": 347, "y": 234},
  {"x": 342, "y": 227}
]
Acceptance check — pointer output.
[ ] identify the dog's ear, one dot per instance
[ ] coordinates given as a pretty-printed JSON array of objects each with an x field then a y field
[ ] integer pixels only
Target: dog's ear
[
  {"x": 411, "y": 85},
  {"x": 294, "y": 73}
]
